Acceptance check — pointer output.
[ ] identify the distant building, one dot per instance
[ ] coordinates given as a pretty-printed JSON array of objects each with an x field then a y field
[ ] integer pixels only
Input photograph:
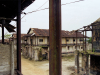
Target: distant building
[
  {"x": 37, "y": 39},
  {"x": 14, "y": 37},
  {"x": 6, "y": 41}
]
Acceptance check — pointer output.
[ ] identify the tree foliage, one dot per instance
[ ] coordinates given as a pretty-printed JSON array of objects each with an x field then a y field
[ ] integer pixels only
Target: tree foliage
[
  {"x": 90, "y": 40},
  {"x": 6, "y": 35}
]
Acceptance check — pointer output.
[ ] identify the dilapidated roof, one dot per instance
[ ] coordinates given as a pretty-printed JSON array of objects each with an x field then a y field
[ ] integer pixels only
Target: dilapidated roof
[
  {"x": 27, "y": 35},
  {"x": 9, "y": 7},
  {"x": 98, "y": 20},
  {"x": 9, "y": 10},
  {"x": 41, "y": 32},
  {"x": 45, "y": 32},
  {"x": 14, "y": 35}
]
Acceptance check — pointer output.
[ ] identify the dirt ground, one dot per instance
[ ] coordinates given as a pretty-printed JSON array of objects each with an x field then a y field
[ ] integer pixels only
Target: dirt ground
[{"x": 30, "y": 67}]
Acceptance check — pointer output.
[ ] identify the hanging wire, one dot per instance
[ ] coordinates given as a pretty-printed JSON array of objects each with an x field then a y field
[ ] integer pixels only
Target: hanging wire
[
  {"x": 48, "y": 8},
  {"x": 61, "y": 5},
  {"x": 35, "y": 10}
]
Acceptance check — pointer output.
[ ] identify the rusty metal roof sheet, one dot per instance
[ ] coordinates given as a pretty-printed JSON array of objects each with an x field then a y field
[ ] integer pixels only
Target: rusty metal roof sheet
[
  {"x": 9, "y": 7},
  {"x": 27, "y": 35},
  {"x": 15, "y": 36},
  {"x": 9, "y": 10},
  {"x": 45, "y": 32},
  {"x": 41, "y": 32}
]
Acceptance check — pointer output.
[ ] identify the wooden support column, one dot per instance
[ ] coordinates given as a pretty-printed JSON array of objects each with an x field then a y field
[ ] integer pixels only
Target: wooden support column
[
  {"x": 85, "y": 61},
  {"x": 85, "y": 41},
  {"x": 76, "y": 58},
  {"x": 12, "y": 58},
  {"x": 55, "y": 37},
  {"x": 92, "y": 38},
  {"x": 83, "y": 50},
  {"x": 3, "y": 22},
  {"x": 35, "y": 40},
  {"x": 76, "y": 40},
  {"x": 19, "y": 37},
  {"x": 76, "y": 61}
]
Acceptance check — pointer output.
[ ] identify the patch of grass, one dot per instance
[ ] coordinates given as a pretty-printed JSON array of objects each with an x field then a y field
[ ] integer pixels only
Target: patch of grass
[
  {"x": 89, "y": 52},
  {"x": 68, "y": 57},
  {"x": 72, "y": 68}
]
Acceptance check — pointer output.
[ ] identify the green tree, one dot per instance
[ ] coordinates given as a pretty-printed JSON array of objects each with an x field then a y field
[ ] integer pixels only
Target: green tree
[
  {"x": 90, "y": 40},
  {"x": 6, "y": 35}
]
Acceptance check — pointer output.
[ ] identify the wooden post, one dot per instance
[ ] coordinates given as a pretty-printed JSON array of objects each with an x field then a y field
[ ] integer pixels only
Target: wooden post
[
  {"x": 85, "y": 64},
  {"x": 12, "y": 58},
  {"x": 76, "y": 61},
  {"x": 55, "y": 37},
  {"x": 3, "y": 22},
  {"x": 19, "y": 37}
]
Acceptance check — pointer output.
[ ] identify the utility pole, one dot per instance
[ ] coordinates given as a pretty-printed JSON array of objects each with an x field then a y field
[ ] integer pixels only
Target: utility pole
[{"x": 55, "y": 37}]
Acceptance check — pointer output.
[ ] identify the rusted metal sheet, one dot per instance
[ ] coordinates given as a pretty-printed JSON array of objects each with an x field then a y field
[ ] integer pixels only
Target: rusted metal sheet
[
  {"x": 10, "y": 27},
  {"x": 45, "y": 32},
  {"x": 7, "y": 6},
  {"x": 19, "y": 37},
  {"x": 55, "y": 37}
]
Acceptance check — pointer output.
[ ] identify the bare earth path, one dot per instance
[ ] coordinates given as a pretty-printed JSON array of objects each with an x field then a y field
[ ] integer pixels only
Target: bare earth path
[{"x": 30, "y": 67}]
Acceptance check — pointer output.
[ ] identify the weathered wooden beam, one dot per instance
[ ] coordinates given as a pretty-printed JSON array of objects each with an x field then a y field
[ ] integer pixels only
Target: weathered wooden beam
[{"x": 2, "y": 18}]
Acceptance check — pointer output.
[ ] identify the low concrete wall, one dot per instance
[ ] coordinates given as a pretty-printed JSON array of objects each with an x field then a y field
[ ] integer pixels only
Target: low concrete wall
[{"x": 5, "y": 59}]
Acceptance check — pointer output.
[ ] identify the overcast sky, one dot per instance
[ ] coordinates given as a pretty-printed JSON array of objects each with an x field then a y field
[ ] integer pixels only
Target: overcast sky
[{"x": 74, "y": 15}]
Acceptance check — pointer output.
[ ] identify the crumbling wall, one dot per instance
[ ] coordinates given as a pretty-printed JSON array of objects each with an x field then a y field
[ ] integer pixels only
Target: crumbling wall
[
  {"x": 15, "y": 57},
  {"x": 32, "y": 53},
  {"x": 5, "y": 59}
]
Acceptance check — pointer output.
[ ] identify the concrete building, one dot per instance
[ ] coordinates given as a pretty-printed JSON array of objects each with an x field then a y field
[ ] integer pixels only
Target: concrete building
[
  {"x": 14, "y": 37},
  {"x": 90, "y": 58},
  {"x": 38, "y": 39}
]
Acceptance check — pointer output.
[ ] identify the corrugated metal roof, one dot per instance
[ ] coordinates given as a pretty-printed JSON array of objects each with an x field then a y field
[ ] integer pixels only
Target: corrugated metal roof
[
  {"x": 15, "y": 36},
  {"x": 9, "y": 10},
  {"x": 9, "y": 7},
  {"x": 45, "y": 32}
]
